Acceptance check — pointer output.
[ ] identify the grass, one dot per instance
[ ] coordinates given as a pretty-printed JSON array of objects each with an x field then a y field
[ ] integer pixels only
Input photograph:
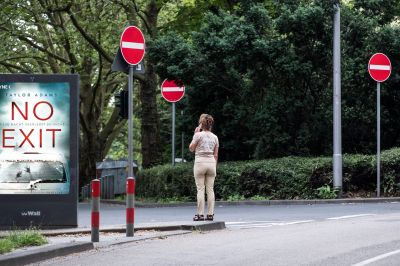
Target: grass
[{"x": 18, "y": 239}]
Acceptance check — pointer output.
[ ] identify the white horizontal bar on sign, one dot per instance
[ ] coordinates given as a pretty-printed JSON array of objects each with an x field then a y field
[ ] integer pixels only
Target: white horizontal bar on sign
[
  {"x": 379, "y": 67},
  {"x": 133, "y": 45},
  {"x": 172, "y": 89}
]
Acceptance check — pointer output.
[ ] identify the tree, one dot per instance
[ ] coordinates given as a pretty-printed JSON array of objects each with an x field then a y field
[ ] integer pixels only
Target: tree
[
  {"x": 265, "y": 72},
  {"x": 46, "y": 37}
]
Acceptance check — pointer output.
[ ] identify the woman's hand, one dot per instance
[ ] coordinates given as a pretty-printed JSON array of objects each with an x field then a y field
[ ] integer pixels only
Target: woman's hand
[{"x": 197, "y": 129}]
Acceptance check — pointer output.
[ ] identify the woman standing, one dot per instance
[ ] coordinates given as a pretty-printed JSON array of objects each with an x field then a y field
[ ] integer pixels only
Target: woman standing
[{"x": 205, "y": 145}]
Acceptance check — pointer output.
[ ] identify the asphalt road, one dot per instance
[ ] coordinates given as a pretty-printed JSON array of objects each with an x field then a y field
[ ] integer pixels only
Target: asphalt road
[
  {"x": 115, "y": 214},
  {"x": 344, "y": 234}
]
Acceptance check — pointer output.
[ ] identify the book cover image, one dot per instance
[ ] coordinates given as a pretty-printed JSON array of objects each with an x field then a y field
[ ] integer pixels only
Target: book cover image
[{"x": 35, "y": 138}]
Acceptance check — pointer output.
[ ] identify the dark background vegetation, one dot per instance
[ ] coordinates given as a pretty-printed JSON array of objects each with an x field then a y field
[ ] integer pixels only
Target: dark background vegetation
[{"x": 265, "y": 73}]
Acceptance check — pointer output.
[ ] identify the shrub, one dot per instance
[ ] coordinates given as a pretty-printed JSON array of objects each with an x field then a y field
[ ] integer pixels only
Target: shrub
[
  {"x": 326, "y": 192},
  {"x": 282, "y": 178}
]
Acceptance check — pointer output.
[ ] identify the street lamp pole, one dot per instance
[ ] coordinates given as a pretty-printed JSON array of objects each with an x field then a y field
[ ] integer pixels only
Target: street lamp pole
[{"x": 337, "y": 121}]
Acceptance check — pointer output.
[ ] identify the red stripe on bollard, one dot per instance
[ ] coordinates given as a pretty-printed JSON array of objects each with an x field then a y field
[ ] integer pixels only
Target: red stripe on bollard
[
  {"x": 95, "y": 188},
  {"x": 95, "y": 210},
  {"x": 130, "y": 203},
  {"x": 95, "y": 219},
  {"x": 130, "y": 215},
  {"x": 130, "y": 186}
]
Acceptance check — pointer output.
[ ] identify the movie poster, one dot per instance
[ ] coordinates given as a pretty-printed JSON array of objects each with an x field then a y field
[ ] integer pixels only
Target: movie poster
[{"x": 34, "y": 132}]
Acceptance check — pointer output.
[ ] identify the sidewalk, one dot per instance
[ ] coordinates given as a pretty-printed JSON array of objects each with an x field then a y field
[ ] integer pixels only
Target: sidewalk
[{"x": 63, "y": 242}]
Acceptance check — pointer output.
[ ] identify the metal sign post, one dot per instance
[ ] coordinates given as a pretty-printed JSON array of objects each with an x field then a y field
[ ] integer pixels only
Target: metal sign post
[
  {"x": 182, "y": 139},
  {"x": 132, "y": 49},
  {"x": 130, "y": 120},
  {"x": 379, "y": 68},
  {"x": 172, "y": 91},
  {"x": 378, "y": 139},
  {"x": 173, "y": 134}
]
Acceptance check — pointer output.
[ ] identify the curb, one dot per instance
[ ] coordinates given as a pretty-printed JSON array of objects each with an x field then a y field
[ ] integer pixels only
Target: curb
[
  {"x": 168, "y": 226},
  {"x": 261, "y": 202},
  {"x": 43, "y": 253}
]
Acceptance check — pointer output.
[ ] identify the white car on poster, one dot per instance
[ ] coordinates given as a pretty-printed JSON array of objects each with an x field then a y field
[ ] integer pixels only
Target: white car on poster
[{"x": 34, "y": 173}]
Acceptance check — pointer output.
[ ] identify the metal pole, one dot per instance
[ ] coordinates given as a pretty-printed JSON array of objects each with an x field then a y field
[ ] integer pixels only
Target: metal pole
[
  {"x": 130, "y": 121},
  {"x": 182, "y": 138},
  {"x": 173, "y": 134},
  {"x": 337, "y": 122},
  {"x": 182, "y": 146},
  {"x": 378, "y": 140}
]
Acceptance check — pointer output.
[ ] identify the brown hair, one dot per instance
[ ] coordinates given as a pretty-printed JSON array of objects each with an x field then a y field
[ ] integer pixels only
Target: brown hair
[{"x": 206, "y": 121}]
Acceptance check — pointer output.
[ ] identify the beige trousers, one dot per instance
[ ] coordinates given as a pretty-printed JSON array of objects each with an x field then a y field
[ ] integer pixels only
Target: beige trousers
[{"x": 204, "y": 176}]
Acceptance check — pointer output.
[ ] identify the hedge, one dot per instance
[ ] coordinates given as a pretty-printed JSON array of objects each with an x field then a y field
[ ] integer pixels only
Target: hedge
[{"x": 283, "y": 178}]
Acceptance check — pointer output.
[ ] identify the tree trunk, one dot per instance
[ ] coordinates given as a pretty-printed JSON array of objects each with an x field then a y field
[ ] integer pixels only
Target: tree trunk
[
  {"x": 90, "y": 153},
  {"x": 151, "y": 152},
  {"x": 150, "y": 129}
]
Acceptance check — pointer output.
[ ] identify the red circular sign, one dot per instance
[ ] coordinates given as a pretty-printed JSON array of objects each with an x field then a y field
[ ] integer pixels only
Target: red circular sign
[
  {"x": 132, "y": 45},
  {"x": 172, "y": 91},
  {"x": 379, "y": 67}
]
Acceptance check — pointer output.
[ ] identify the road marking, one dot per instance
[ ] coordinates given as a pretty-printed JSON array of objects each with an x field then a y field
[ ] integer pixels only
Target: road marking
[
  {"x": 296, "y": 222},
  {"x": 369, "y": 261},
  {"x": 262, "y": 224},
  {"x": 379, "y": 67},
  {"x": 250, "y": 222},
  {"x": 350, "y": 216},
  {"x": 248, "y": 226}
]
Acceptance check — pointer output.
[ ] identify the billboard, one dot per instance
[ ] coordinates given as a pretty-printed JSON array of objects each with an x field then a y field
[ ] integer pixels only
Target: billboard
[{"x": 38, "y": 150}]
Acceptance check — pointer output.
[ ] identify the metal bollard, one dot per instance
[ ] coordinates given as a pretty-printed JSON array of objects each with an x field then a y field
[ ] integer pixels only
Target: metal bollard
[
  {"x": 95, "y": 210},
  {"x": 130, "y": 209}
]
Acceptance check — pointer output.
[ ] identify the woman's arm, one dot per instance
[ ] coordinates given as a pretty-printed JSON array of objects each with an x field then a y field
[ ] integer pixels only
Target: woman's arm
[
  {"x": 192, "y": 146},
  {"x": 216, "y": 153}
]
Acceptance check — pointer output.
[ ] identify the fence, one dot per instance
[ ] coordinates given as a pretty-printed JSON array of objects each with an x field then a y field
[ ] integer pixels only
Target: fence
[{"x": 109, "y": 185}]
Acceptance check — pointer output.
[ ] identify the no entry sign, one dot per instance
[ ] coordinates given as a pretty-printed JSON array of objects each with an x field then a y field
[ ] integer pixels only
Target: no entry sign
[
  {"x": 379, "y": 67},
  {"x": 132, "y": 45},
  {"x": 172, "y": 91}
]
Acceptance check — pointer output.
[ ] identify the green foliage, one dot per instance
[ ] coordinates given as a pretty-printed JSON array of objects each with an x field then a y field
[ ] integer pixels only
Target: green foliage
[
  {"x": 258, "y": 197},
  {"x": 283, "y": 178},
  {"x": 264, "y": 71},
  {"x": 174, "y": 200},
  {"x": 389, "y": 184},
  {"x": 235, "y": 197},
  {"x": 166, "y": 181},
  {"x": 326, "y": 192},
  {"x": 6, "y": 245},
  {"x": 27, "y": 238},
  {"x": 17, "y": 239}
]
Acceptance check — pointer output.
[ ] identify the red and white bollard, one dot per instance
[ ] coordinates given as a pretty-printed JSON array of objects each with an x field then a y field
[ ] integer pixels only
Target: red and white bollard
[
  {"x": 95, "y": 210},
  {"x": 130, "y": 209}
]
